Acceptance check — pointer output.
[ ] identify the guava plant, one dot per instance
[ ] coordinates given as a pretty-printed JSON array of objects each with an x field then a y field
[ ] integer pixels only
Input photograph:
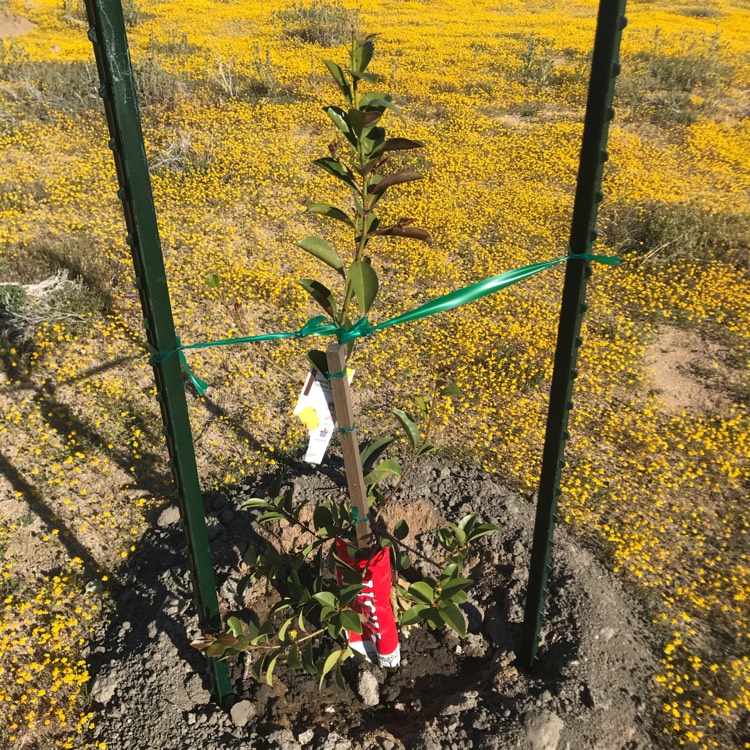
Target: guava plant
[{"x": 307, "y": 627}]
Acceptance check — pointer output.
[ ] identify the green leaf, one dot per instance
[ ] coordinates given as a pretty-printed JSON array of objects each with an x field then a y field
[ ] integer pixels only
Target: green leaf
[
  {"x": 453, "y": 586},
  {"x": 482, "y": 530},
  {"x": 401, "y": 144},
  {"x": 215, "y": 650},
  {"x": 459, "y": 534},
  {"x": 255, "y": 502},
  {"x": 322, "y": 517},
  {"x": 395, "y": 179},
  {"x": 409, "y": 425},
  {"x": 460, "y": 597},
  {"x": 308, "y": 662},
  {"x": 361, "y": 121},
  {"x": 348, "y": 594},
  {"x": 325, "y": 598},
  {"x": 338, "y": 676},
  {"x": 326, "y": 209},
  {"x": 337, "y": 169},
  {"x": 350, "y": 620},
  {"x": 467, "y": 522},
  {"x": 270, "y": 668},
  {"x": 330, "y": 662},
  {"x": 373, "y": 450},
  {"x": 272, "y": 515},
  {"x": 284, "y": 628},
  {"x": 280, "y": 606},
  {"x": 318, "y": 360},
  {"x": 401, "y": 530},
  {"x": 364, "y": 283},
  {"x": 422, "y": 591},
  {"x": 432, "y": 616},
  {"x": 385, "y": 469},
  {"x": 426, "y": 448},
  {"x": 369, "y": 77},
  {"x": 258, "y": 667},
  {"x": 323, "y": 251},
  {"x": 341, "y": 120},
  {"x": 340, "y": 78},
  {"x": 362, "y": 54},
  {"x": 452, "y": 390},
  {"x": 212, "y": 281},
  {"x": 449, "y": 571},
  {"x": 253, "y": 624},
  {"x": 413, "y": 615},
  {"x": 366, "y": 99},
  {"x": 373, "y": 140},
  {"x": 292, "y": 658},
  {"x": 446, "y": 539},
  {"x": 321, "y": 294},
  {"x": 453, "y": 617},
  {"x": 404, "y": 561},
  {"x": 422, "y": 405},
  {"x": 235, "y": 626},
  {"x": 387, "y": 104}
]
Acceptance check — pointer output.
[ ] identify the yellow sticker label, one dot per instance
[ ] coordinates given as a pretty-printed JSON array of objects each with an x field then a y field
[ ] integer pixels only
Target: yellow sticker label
[{"x": 309, "y": 417}]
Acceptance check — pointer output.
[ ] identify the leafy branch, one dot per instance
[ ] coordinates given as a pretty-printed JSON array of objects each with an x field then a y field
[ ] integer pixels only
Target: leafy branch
[{"x": 361, "y": 167}]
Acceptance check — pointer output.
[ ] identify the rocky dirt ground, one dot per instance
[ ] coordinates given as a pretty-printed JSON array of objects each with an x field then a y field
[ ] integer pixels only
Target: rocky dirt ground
[{"x": 593, "y": 687}]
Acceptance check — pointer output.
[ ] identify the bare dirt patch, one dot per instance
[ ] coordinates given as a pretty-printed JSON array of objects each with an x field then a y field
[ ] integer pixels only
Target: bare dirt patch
[
  {"x": 13, "y": 25},
  {"x": 693, "y": 373}
]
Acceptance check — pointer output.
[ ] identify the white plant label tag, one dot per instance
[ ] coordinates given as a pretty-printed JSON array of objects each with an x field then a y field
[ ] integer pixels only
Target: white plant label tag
[{"x": 315, "y": 409}]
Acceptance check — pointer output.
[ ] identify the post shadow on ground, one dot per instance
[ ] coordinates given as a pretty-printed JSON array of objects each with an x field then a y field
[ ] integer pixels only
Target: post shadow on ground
[{"x": 50, "y": 519}]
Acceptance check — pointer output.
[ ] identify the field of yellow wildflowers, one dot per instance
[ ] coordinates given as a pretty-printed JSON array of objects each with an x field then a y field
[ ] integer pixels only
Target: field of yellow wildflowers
[{"x": 232, "y": 93}]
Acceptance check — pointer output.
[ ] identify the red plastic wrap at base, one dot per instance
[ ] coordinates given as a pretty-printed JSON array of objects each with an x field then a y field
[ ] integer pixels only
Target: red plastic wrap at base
[{"x": 379, "y": 638}]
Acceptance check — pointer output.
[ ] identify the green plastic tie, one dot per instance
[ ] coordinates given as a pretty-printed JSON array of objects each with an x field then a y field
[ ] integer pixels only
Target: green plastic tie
[
  {"x": 356, "y": 518},
  {"x": 318, "y": 326},
  {"x": 200, "y": 385},
  {"x": 347, "y": 430}
]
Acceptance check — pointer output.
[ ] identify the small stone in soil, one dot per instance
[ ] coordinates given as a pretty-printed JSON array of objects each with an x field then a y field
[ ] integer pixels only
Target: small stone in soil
[
  {"x": 168, "y": 516},
  {"x": 369, "y": 689},
  {"x": 543, "y": 730},
  {"x": 283, "y": 739},
  {"x": 334, "y": 741},
  {"x": 242, "y": 712},
  {"x": 104, "y": 688}
]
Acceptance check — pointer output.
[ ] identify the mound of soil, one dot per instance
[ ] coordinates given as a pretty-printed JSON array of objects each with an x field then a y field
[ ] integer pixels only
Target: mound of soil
[{"x": 592, "y": 687}]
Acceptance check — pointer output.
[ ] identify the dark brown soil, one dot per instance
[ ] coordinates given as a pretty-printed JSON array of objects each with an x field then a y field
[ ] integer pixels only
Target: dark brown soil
[{"x": 592, "y": 688}]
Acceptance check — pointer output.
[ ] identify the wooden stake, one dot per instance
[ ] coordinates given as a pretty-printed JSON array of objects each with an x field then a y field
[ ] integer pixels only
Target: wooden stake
[{"x": 342, "y": 401}]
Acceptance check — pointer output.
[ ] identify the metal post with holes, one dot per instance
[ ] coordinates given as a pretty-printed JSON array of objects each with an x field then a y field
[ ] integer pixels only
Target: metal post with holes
[
  {"x": 107, "y": 33},
  {"x": 604, "y": 69}
]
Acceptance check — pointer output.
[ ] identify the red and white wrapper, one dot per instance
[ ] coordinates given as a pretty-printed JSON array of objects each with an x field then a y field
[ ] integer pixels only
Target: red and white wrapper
[{"x": 379, "y": 638}]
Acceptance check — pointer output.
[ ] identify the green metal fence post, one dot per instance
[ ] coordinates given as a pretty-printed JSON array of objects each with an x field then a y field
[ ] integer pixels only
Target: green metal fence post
[
  {"x": 604, "y": 69},
  {"x": 107, "y": 33}
]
